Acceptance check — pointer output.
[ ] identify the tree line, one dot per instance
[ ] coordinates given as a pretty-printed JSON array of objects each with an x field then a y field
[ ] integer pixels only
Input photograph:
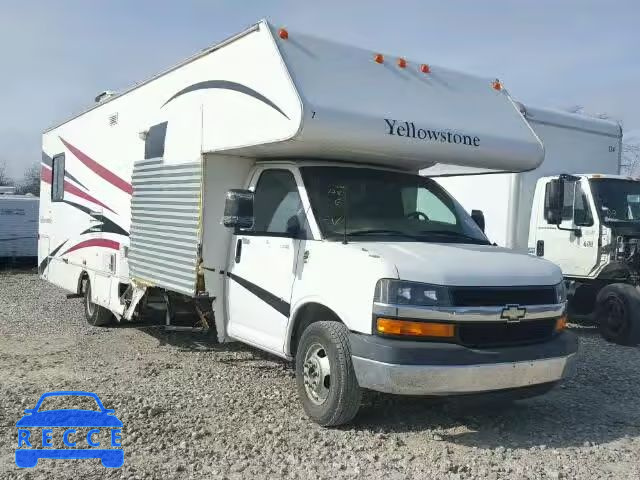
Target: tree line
[{"x": 29, "y": 183}]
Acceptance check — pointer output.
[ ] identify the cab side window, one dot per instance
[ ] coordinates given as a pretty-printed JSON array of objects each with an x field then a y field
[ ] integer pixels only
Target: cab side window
[
  {"x": 277, "y": 204},
  {"x": 57, "y": 178},
  {"x": 433, "y": 207},
  {"x": 567, "y": 206},
  {"x": 581, "y": 210},
  {"x": 576, "y": 206}
]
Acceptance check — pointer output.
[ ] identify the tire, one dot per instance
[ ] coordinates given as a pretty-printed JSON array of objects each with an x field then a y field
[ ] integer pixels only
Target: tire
[
  {"x": 331, "y": 395},
  {"x": 96, "y": 315},
  {"x": 618, "y": 314}
]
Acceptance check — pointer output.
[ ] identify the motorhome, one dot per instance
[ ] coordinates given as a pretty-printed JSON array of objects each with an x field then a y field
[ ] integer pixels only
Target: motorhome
[
  {"x": 575, "y": 209},
  {"x": 272, "y": 182},
  {"x": 18, "y": 226}
]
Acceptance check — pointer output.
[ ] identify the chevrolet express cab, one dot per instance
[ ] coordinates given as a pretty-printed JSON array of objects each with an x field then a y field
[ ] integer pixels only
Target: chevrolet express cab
[{"x": 271, "y": 183}]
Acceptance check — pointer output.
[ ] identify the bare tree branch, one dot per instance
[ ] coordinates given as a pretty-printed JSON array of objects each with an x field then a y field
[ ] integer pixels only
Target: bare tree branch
[
  {"x": 5, "y": 180},
  {"x": 30, "y": 182},
  {"x": 631, "y": 158}
]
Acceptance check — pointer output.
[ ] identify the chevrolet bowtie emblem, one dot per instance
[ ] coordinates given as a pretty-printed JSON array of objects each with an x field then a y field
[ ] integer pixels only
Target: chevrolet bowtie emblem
[{"x": 513, "y": 313}]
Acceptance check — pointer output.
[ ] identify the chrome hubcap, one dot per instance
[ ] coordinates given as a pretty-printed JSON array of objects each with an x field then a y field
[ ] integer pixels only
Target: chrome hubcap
[{"x": 317, "y": 374}]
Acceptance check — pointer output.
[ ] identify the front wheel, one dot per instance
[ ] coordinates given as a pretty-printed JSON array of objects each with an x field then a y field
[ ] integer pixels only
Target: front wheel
[
  {"x": 325, "y": 378},
  {"x": 618, "y": 314},
  {"x": 96, "y": 315}
]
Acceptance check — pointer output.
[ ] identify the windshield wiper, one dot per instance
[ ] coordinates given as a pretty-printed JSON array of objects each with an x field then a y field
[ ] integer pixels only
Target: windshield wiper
[
  {"x": 449, "y": 233},
  {"x": 382, "y": 231}
]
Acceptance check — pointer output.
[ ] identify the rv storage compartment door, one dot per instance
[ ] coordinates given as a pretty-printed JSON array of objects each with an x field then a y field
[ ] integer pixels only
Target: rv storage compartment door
[{"x": 165, "y": 224}]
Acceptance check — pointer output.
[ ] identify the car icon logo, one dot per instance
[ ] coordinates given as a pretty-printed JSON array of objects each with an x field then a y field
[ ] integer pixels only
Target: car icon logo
[
  {"x": 513, "y": 313},
  {"x": 69, "y": 433}
]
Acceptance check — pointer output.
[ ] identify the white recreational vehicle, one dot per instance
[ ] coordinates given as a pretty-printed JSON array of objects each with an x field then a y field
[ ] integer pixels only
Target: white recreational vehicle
[
  {"x": 272, "y": 180},
  {"x": 18, "y": 225},
  {"x": 574, "y": 209}
]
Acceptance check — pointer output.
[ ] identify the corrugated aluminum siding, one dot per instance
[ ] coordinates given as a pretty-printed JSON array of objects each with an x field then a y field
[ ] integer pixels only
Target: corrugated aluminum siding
[{"x": 165, "y": 224}]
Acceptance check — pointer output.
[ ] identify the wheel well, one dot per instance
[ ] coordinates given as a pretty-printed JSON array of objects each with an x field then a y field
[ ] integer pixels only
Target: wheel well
[
  {"x": 583, "y": 300},
  {"x": 83, "y": 276},
  {"x": 305, "y": 316}
]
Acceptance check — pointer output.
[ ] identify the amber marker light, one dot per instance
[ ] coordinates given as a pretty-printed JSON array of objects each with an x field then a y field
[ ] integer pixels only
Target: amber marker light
[
  {"x": 378, "y": 58},
  {"x": 391, "y": 326},
  {"x": 402, "y": 63},
  {"x": 283, "y": 34},
  {"x": 424, "y": 68},
  {"x": 561, "y": 323},
  {"x": 496, "y": 85}
]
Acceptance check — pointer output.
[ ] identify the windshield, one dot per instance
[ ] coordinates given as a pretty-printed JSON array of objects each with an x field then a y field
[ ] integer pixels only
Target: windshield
[
  {"x": 617, "y": 200},
  {"x": 382, "y": 204}
]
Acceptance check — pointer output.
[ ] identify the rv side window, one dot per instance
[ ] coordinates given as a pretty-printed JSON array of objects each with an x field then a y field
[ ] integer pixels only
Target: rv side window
[
  {"x": 154, "y": 141},
  {"x": 57, "y": 178},
  {"x": 276, "y": 201}
]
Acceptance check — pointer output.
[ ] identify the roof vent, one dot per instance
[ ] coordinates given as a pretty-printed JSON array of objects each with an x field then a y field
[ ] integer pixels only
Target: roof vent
[
  {"x": 113, "y": 120},
  {"x": 102, "y": 96}
]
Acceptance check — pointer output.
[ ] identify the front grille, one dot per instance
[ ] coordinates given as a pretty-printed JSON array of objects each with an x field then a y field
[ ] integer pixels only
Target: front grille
[
  {"x": 501, "y": 296},
  {"x": 494, "y": 334}
]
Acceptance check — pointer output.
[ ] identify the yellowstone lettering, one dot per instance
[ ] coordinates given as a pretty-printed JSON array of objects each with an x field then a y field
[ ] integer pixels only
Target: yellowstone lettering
[{"x": 409, "y": 130}]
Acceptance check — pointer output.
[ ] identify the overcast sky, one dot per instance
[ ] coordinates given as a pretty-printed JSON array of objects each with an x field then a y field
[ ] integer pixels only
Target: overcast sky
[{"x": 56, "y": 55}]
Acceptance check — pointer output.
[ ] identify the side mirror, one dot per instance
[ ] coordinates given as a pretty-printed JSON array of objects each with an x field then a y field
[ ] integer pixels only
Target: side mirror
[
  {"x": 478, "y": 217},
  {"x": 238, "y": 209},
  {"x": 294, "y": 228},
  {"x": 554, "y": 201}
]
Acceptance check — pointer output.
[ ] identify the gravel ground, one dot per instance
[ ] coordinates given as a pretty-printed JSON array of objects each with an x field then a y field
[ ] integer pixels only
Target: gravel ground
[{"x": 195, "y": 410}]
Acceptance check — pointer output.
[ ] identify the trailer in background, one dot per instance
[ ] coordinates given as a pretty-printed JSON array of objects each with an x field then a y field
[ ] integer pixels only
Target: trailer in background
[
  {"x": 572, "y": 143},
  {"x": 575, "y": 210},
  {"x": 18, "y": 226}
]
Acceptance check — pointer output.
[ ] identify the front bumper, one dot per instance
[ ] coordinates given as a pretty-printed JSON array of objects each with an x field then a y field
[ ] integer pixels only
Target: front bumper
[{"x": 427, "y": 368}]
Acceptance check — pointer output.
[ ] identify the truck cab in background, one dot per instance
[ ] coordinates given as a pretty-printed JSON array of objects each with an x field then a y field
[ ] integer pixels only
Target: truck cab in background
[
  {"x": 589, "y": 225},
  {"x": 586, "y": 224}
]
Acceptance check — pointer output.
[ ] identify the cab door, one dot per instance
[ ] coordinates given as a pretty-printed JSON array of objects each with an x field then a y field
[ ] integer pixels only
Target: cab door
[
  {"x": 572, "y": 245},
  {"x": 262, "y": 263}
]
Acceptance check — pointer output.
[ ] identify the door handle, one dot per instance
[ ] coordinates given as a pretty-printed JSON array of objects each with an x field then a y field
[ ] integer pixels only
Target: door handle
[
  {"x": 238, "y": 250},
  {"x": 540, "y": 248}
]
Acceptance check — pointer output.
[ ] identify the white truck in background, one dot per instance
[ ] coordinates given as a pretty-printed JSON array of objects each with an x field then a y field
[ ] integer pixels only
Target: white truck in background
[
  {"x": 332, "y": 249},
  {"x": 18, "y": 226},
  {"x": 574, "y": 209}
]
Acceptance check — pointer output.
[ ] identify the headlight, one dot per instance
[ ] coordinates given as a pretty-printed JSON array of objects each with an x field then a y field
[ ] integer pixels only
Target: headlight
[
  {"x": 400, "y": 292},
  {"x": 561, "y": 292}
]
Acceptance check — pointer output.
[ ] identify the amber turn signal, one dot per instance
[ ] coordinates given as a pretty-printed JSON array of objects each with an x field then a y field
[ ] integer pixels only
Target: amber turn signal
[
  {"x": 561, "y": 323},
  {"x": 390, "y": 326}
]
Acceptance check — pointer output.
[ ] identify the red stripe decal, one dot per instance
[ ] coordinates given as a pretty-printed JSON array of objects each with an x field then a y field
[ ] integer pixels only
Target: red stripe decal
[
  {"x": 72, "y": 189},
  {"x": 108, "y": 175},
  {"x": 94, "y": 242},
  {"x": 45, "y": 175}
]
